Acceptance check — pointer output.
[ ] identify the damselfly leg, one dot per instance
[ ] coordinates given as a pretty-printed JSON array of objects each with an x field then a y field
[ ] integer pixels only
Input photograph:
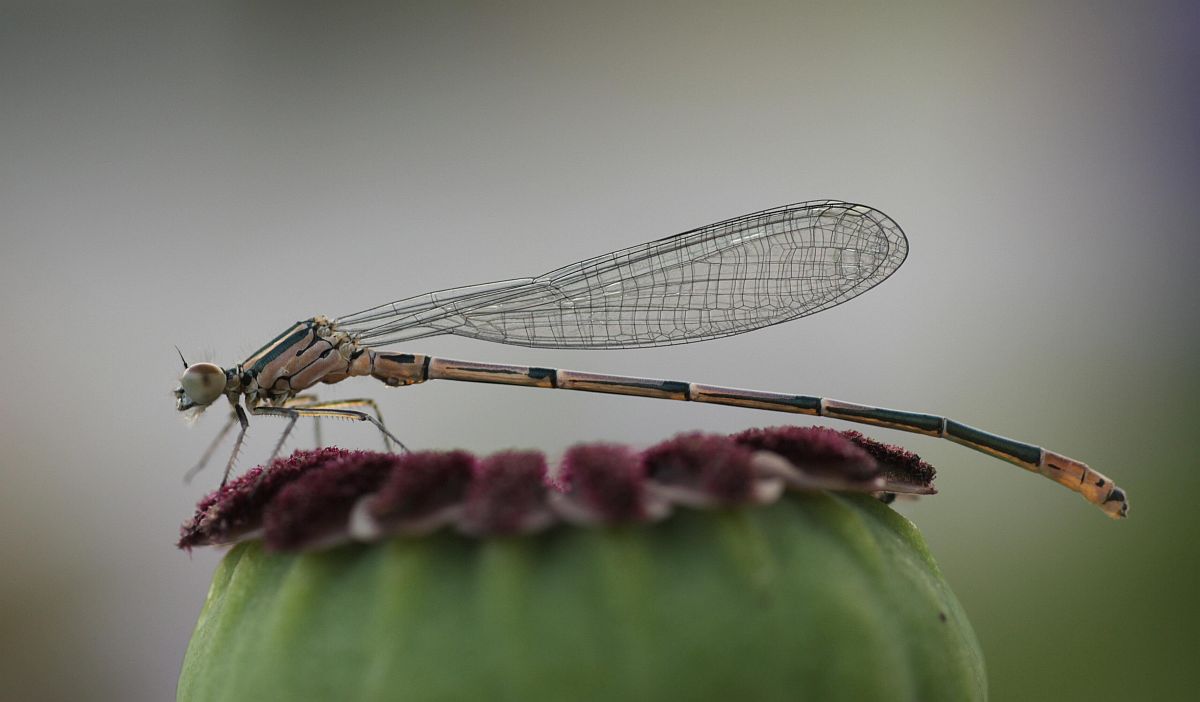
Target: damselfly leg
[
  {"x": 335, "y": 411},
  {"x": 293, "y": 409},
  {"x": 317, "y": 409},
  {"x": 212, "y": 448}
]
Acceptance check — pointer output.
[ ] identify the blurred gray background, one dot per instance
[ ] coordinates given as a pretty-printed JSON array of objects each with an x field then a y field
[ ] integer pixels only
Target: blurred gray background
[{"x": 204, "y": 174}]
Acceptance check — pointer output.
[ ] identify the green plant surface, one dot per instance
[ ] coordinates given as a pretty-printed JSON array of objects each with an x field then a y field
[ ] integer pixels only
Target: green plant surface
[{"x": 818, "y": 596}]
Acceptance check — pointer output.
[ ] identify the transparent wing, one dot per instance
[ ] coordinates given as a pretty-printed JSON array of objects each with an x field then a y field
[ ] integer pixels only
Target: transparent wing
[{"x": 727, "y": 278}]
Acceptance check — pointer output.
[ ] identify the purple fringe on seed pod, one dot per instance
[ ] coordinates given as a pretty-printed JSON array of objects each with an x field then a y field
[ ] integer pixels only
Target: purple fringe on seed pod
[
  {"x": 507, "y": 494},
  {"x": 711, "y": 464},
  {"x": 607, "y": 479},
  {"x": 237, "y": 508},
  {"x": 423, "y": 485},
  {"x": 898, "y": 464},
  {"x": 317, "y": 504},
  {"x": 819, "y": 450},
  {"x": 322, "y": 497}
]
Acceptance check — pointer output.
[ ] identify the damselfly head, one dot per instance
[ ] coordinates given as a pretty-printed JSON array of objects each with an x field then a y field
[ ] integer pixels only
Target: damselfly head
[{"x": 199, "y": 386}]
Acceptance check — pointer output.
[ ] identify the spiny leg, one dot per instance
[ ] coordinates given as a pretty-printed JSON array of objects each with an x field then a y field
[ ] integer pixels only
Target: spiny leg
[
  {"x": 328, "y": 412},
  {"x": 237, "y": 445},
  {"x": 311, "y": 402},
  {"x": 297, "y": 401},
  {"x": 356, "y": 402},
  {"x": 332, "y": 408},
  {"x": 283, "y": 437},
  {"x": 208, "y": 452}
]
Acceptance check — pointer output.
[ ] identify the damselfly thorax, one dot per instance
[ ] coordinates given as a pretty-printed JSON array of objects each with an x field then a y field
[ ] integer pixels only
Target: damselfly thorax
[{"x": 724, "y": 279}]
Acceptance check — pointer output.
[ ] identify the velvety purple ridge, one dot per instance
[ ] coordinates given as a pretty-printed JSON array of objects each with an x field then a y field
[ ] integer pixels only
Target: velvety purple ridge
[
  {"x": 307, "y": 498},
  {"x": 505, "y": 488},
  {"x": 897, "y": 463},
  {"x": 423, "y": 483},
  {"x": 714, "y": 464},
  {"x": 320, "y": 500},
  {"x": 818, "y": 449},
  {"x": 238, "y": 507},
  {"x": 608, "y": 478}
]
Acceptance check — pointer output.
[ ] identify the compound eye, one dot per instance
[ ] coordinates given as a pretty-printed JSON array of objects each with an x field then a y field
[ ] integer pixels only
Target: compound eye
[{"x": 203, "y": 383}]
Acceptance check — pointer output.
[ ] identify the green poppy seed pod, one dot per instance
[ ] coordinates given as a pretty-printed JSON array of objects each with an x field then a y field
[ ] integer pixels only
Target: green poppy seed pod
[{"x": 678, "y": 573}]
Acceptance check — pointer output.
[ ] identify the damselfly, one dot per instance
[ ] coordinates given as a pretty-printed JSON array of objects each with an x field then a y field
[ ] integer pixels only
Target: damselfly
[{"x": 724, "y": 279}]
